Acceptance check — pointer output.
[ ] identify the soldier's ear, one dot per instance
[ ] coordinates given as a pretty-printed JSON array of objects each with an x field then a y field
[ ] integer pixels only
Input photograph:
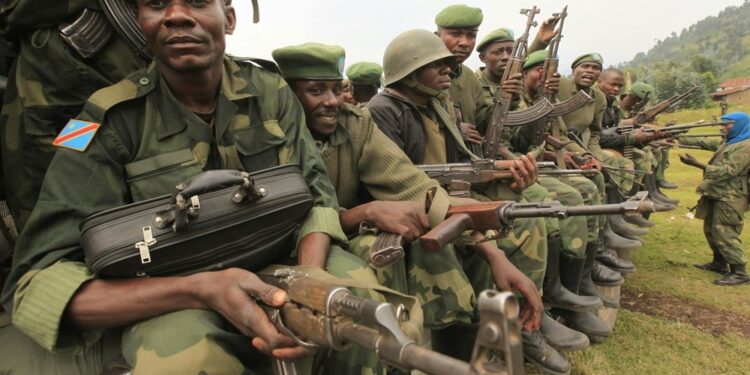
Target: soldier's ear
[{"x": 231, "y": 19}]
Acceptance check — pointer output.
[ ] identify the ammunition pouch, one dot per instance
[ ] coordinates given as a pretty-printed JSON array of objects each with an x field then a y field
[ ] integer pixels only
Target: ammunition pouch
[{"x": 214, "y": 220}]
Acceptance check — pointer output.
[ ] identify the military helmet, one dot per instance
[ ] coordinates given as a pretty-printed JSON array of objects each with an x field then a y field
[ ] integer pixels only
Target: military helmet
[{"x": 410, "y": 51}]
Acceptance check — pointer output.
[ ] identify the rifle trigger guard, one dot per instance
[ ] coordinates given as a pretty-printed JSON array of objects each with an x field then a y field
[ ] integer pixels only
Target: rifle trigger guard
[{"x": 275, "y": 317}]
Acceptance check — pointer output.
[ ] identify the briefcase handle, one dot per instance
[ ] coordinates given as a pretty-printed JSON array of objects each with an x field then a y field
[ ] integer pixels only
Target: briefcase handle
[{"x": 183, "y": 205}]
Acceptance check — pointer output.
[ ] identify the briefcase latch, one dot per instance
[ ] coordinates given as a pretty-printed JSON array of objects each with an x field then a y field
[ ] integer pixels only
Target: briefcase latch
[{"x": 142, "y": 246}]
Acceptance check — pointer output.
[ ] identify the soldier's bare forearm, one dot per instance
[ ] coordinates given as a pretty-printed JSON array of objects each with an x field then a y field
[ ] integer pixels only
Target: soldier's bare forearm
[
  {"x": 110, "y": 303},
  {"x": 313, "y": 249}
]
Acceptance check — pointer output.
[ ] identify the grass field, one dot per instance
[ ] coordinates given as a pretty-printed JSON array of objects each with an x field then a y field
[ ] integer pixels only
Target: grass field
[{"x": 646, "y": 344}]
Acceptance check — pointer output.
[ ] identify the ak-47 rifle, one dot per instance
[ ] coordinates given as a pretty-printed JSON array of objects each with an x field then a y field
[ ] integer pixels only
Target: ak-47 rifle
[
  {"x": 549, "y": 70},
  {"x": 457, "y": 178},
  {"x": 501, "y": 109},
  {"x": 322, "y": 315},
  {"x": 675, "y": 130},
  {"x": 650, "y": 114},
  {"x": 500, "y": 215}
]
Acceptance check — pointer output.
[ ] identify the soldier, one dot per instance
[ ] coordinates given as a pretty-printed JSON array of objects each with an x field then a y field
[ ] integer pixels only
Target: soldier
[
  {"x": 195, "y": 109},
  {"x": 355, "y": 152},
  {"x": 724, "y": 200},
  {"x": 346, "y": 92},
  {"x": 365, "y": 78},
  {"x": 637, "y": 97},
  {"x": 577, "y": 267},
  {"x": 52, "y": 77},
  {"x": 610, "y": 82},
  {"x": 494, "y": 51},
  {"x": 417, "y": 67}
]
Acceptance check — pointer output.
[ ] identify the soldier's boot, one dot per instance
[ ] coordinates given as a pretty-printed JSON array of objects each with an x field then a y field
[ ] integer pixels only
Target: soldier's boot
[
  {"x": 737, "y": 275},
  {"x": 614, "y": 241},
  {"x": 639, "y": 221},
  {"x": 609, "y": 258},
  {"x": 557, "y": 295},
  {"x": 655, "y": 194},
  {"x": 661, "y": 179},
  {"x": 561, "y": 337},
  {"x": 593, "y": 270},
  {"x": 621, "y": 227},
  {"x": 587, "y": 323},
  {"x": 718, "y": 265},
  {"x": 542, "y": 355},
  {"x": 616, "y": 222}
]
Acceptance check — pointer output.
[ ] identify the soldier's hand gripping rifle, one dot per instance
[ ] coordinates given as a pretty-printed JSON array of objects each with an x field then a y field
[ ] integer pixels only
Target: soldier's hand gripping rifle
[
  {"x": 500, "y": 215},
  {"x": 501, "y": 115},
  {"x": 324, "y": 315},
  {"x": 650, "y": 114}
]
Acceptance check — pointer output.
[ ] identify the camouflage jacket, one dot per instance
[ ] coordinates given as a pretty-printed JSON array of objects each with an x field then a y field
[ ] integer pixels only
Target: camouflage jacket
[
  {"x": 587, "y": 120},
  {"x": 147, "y": 143},
  {"x": 726, "y": 175}
]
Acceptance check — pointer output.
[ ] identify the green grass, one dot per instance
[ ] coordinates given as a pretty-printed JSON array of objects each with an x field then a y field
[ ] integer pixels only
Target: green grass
[
  {"x": 644, "y": 344},
  {"x": 693, "y": 115}
]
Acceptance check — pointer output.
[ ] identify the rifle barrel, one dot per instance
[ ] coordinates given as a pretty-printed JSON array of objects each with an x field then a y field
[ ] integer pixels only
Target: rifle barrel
[{"x": 510, "y": 212}]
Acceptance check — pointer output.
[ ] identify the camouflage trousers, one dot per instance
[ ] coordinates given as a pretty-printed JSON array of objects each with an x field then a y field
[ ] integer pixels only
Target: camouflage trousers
[
  {"x": 661, "y": 162},
  {"x": 186, "y": 342},
  {"x": 624, "y": 180},
  {"x": 437, "y": 280},
  {"x": 574, "y": 229},
  {"x": 643, "y": 159},
  {"x": 722, "y": 225}
]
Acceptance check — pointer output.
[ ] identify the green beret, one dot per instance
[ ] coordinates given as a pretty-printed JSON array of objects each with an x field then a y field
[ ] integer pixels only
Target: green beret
[
  {"x": 459, "y": 17},
  {"x": 312, "y": 61},
  {"x": 364, "y": 73},
  {"x": 641, "y": 89},
  {"x": 534, "y": 58},
  {"x": 589, "y": 57},
  {"x": 499, "y": 35}
]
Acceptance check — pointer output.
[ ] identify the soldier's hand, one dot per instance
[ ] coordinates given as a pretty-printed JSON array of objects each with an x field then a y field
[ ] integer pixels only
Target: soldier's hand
[
  {"x": 233, "y": 294},
  {"x": 569, "y": 161},
  {"x": 552, "y": 85},
  {"x": 508, "y": 278},
  {"x": 547, "y": 29},
  {"x": 641, "y": 136},
  {"x": 690, "y": 160},
  {"x": 470, "y": 133},
  {"x": 405, "y": 218},
  {"x": 514, "y": 85},
  {"x": 525, "y": 172}
]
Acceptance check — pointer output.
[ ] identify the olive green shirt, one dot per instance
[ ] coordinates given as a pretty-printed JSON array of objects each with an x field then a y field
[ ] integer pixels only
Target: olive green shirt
[
  {"x": 587, "y": 120},
  {"x": 365, "y": 165},
  {"x": 147, "y": 143},
  {"x": 467, "y": 94}
]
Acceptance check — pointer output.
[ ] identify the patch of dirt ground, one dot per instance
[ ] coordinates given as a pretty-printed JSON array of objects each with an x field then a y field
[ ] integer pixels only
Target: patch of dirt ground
[{"x": 714, "y": 321}]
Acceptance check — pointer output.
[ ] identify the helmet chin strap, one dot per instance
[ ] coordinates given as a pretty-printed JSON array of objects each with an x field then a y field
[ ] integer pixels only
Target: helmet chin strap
[{"x": 411, "y": 81}]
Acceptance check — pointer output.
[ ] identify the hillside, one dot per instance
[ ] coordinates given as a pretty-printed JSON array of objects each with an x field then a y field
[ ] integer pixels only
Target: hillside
[{"x": 708, "y": 52}]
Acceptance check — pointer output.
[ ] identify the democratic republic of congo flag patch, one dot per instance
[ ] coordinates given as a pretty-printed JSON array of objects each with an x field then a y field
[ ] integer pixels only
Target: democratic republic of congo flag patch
[{"x": 76, "y": 135}]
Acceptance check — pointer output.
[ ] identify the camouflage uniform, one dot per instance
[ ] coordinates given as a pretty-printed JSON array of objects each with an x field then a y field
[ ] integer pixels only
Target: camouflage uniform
[
  {"x": 614, "y": 143},
  {"x": 148, "y": 143},
  {"x": 526, "y": 246},
  {"x": 587, "y": 123},
  {"x": 724, "y": 200},
  {"x": 355, "y": 156},
  {"x": 48, "y": 85}
]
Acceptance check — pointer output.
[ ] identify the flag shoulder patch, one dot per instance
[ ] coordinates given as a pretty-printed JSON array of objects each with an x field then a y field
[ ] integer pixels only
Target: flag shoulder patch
[{"x": 76, "y": 135}]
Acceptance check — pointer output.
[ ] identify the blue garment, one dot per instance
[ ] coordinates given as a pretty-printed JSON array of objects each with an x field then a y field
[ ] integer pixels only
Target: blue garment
[{"x": 741, "y": 128}]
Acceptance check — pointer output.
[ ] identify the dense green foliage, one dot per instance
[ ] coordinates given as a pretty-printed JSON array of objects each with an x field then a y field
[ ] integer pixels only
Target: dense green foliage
[{"x": 712, "y": 50}]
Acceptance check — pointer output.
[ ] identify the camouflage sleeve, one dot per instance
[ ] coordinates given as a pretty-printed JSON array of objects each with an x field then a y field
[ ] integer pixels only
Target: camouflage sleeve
[
  {"x": 596, "y": 124},
  {"x": 300, "y": 149},
  {"x": 77, "y": 185},
  {"x": 403, "y": 181},
  {"x": 736, "y": 163},
  {"x": 710, "y": 144},
  {"x": 41, "y": 298},
  {"x": 484, "y": 107}
]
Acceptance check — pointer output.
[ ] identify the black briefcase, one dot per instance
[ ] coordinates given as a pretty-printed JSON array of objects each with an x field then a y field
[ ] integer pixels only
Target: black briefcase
[{"x": 214, "y": 220}]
